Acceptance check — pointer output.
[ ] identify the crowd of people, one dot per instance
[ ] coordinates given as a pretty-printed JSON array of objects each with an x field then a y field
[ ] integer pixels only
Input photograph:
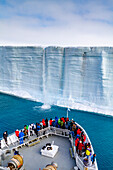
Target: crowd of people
[{"x": 83, "y": 148}]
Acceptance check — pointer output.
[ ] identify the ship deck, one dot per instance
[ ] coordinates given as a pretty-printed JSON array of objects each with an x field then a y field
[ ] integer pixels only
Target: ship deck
[
  {"x": 33, "y": 160},
  {"x": 31, "y": 150}
]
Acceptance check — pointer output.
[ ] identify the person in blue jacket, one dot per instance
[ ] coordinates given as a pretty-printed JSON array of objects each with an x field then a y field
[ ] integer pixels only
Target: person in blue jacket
[
  {"x": 38, "y": 128},
  {"x": 21, "y": 136},
  {"x": 56, "y": 121},
  {"x": 93, "y": 157}
]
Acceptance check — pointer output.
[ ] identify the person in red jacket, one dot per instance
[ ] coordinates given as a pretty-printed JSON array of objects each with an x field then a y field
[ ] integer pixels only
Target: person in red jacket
[
  {"x": 78, "y": 131},
  {"x": 50, "y": 122},
  {"x": 80, "y": 146},
  {"x": 63, "y": 119},
  {"x": 44, "y": 124},
  {"x": 17, "y": 133},
  {"x": 84, "y": 138},
  {"x": 67, "y": 119},
  {"x": 76, "y": 144}
]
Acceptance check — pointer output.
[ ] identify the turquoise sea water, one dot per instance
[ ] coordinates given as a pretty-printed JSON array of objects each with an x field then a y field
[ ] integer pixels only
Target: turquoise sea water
[{"x": 16, "y": 112}]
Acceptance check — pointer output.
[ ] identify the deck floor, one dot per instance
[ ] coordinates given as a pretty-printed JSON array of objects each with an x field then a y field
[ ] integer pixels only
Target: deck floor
[{"x": 33, "y": 160}]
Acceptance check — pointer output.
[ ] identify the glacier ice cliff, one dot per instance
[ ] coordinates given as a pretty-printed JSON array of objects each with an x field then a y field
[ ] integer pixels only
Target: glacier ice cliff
[{"x": 75, "y": 77}]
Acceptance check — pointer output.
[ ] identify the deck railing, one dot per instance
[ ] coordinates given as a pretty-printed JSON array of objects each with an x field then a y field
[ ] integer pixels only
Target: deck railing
[
  {"x": 79, "y": 160},
  {"x": 55, "y": 131}
]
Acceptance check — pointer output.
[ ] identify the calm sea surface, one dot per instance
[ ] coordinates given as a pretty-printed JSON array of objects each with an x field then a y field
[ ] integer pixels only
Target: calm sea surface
[{"x": 16, "y": 112}]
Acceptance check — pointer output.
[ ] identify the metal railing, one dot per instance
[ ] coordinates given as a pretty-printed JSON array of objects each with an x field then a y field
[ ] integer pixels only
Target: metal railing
[{"x": 60, "y": 132}]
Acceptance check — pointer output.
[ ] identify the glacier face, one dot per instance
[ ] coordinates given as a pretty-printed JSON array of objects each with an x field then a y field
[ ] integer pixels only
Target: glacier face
[{"x": 79, "y": 78}]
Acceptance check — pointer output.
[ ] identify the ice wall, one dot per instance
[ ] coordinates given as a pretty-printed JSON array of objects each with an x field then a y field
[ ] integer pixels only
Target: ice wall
[
  {"x": 21, "y": 71},
  {"x": 79, "y": 78}
]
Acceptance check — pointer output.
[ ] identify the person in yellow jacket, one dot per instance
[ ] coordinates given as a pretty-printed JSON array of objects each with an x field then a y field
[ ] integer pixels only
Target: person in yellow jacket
[{"x": 88, "y": 151}]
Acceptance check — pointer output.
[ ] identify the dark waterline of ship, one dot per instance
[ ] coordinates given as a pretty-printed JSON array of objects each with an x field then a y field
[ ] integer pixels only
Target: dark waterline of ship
[{"x": 16, "y": 112}]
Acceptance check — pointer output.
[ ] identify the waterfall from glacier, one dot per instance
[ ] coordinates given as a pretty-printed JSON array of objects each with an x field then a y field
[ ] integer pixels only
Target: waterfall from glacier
[{"x": 78, "y": 78}]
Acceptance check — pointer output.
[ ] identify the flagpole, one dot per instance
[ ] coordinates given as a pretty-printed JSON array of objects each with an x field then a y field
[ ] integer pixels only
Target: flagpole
[{"x": 68, "y": 111}]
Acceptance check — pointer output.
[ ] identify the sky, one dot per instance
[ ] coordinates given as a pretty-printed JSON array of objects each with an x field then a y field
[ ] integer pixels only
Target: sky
[{"x": 56, "y": 22}]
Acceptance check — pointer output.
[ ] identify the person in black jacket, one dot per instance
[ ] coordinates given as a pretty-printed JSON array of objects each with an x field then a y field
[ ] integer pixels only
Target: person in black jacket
[
  {"x": 46, "y": 121},
  {"x": 5, "y": 135},
  {"x": 0, "y": 144}
]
